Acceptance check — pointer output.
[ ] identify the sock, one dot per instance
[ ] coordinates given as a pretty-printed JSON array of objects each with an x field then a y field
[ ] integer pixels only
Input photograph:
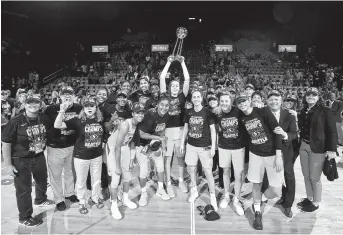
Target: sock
[
  {"x": 168, "y": 183},
  {"x": 144, "y": 189},
  {"x": 180, "y": 179},
  {"x": 125, "y": 196},
  {"x": 160, "y": 185},
  {"x": 257, "y": 206},
  {"x": 227, "y": 194},
  {"x": 235, "y": 199},
  {"x": 114, "y": 203},
  {"x": 310, "y": 198}
]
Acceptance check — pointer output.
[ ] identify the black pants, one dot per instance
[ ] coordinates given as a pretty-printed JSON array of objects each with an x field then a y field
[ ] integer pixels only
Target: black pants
[
  {"x": 215, "y": 165},
  {"x": 288, "y": 193},
  {"x": 104, "y": 178},
  {"x": 26, "y": 166}
]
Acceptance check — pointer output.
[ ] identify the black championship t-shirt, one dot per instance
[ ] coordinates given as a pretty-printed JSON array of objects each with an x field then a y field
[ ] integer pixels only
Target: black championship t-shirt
[
  {"x": 58, "y": 138},
  {"x": 260, "y": 125},
  {"x": 199, "y": 133},
  {"x": 176, "y": 111},
  {"x": 231, "y": 130},
  {"x": 27, "y": 136},
  {"x": 89, "y": 138},
  {"x": 140, "y": 97},
  {"x": 122, "y": 116},
  {"x": 153, "y": 124}
]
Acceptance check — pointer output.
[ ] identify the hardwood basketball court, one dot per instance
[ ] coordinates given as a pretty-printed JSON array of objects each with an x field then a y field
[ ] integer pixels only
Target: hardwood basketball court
[{"x": 174, "y": 216}]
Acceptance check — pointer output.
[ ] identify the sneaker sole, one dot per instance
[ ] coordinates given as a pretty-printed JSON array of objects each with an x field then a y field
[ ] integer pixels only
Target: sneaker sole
[
  {"x": 32, "y": 226},
  {"x": 131, "y": 208},
  {"x": 165, "y": 199}
]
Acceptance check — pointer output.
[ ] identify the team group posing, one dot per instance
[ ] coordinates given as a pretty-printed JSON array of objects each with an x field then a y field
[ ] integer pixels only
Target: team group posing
[{"x": 108, "y": 140}]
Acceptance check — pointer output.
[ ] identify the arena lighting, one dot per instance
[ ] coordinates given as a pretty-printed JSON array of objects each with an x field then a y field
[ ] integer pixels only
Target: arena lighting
[
  {"x": 200, "y": 20},
  {"x": 191, "y": 18}
]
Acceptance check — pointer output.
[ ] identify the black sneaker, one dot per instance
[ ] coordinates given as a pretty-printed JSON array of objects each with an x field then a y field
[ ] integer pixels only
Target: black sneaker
[
  {"x": 258, "y": 221},
  {"x": 304, "y": 202},
  {"x": 61, "y": 206},
  {"x": 310, "y": 208},
  {"x": 73, "y": 198},
  {"x": 30, "y": 222}
]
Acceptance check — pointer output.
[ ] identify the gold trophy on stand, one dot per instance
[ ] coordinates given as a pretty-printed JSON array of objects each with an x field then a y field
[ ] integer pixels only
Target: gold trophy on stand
[{"x": 181, "y": 33}]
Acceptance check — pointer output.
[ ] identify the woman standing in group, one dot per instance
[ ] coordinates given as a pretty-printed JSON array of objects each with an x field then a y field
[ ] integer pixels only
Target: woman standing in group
[
  {"x": 23, "y": 143},
  {"x": 232, "y": 139},
  {"x": 174, "y": 126},
  {"x": 318, "y": 136},
  {"x": 88, "y": 149},
  {"x": 200, "y": 133},
  {"x": 120, "y": 158}
]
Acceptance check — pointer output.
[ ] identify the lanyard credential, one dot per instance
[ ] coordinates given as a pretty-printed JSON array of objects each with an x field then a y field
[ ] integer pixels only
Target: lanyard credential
[{"x": 28, "y": 121}]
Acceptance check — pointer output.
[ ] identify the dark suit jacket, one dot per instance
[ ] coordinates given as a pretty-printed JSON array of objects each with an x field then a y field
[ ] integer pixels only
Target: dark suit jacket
[
  {"x": 337, "y": 108},
  {"x": 288, "y": 124},
  {"x": 323, "y": 132}
]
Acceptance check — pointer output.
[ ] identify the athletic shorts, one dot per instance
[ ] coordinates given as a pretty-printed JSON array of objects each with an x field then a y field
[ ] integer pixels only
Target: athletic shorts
[
  {"x": 193, "y": 154},
  {"x": 258, "y": 165},
  {"x": 235, "y": 155},
  {"x": 174, "y": 135}
]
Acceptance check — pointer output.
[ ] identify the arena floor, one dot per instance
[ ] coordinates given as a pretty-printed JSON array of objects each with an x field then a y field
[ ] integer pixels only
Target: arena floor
[{"x": 174, "y": 216}]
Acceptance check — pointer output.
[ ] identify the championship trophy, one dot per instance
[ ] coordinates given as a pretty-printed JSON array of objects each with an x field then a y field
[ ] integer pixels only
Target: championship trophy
[{"x": 181, "y": 33}]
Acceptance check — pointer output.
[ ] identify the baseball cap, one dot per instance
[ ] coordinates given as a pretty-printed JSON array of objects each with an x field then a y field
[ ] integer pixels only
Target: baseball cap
[
  {"x": 67, "y": 90},
  {"x": 273, "y": 93},
  {"x": 154, "y": 82},
  {"x": 122, "y": 93},
  {"x": 146, "y": 78},
  {"x": 290, "y": 97},
  {"x": 242, "y": 97},
  {"x": 249, "y": 85},
  {"x": 138, "y": 107},
  {"x": 34, "y": 98},
  {"x": 231, "y": 89},
  {"x": 312, "y": 90},
  {"x": 212, "y": 97},
  {"x": 89, "y": 101}
]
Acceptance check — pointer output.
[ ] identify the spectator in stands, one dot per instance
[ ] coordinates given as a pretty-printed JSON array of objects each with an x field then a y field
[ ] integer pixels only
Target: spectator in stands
[
  {"x": 111, "y": 99},
  {"x": 250, "y": 89},
  {"x": 319, "y": 138},
  {"x": 257, "y": 99},
  {"x": 21, "y": 99},
  {"x": 7, "y": 105},
  {"x": 88, "y": 149},
  {"x": 23, "y": 143}
]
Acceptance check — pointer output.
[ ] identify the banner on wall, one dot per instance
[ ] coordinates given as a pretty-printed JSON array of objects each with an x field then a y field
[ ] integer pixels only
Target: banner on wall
[
  {"x": 160, "y": 48},
  {"x": 289, "y": 48},
  {"x": 224, "y": 48},
  {"x": 99, "y": 48}
]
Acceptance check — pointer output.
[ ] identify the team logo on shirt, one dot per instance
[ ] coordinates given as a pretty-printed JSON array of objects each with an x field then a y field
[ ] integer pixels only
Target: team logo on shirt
[
  {"x": 66, "y": 117},
  {"x": 174, "y": 108},
  {"x": 36, "y": 137},
  {"x": 196, "y": 125},
  {"x": 256, "y": 131},
  {"x": 143, "y": 99},
  {"x": 229, "y": 127},
  {"x": 160, "y": 127},
  {"x": 93, "y": 135}
]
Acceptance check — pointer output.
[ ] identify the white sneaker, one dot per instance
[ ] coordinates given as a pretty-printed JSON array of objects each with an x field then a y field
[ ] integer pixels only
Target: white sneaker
[
  {"x": 224, "y": 202},
  {"x": 264, "y": 199},
  {"x": 194, "y": 195},
  {"x": 214, "y": 201},
  {"x": 130, "y": 204},
  {"x": 143, "y": 201},
  {"x": 183, "y": 186},
  {"x": 115, "y": 211},
  {"x": 170, "y": 190},
  {"x": 162, "y": 193},
  {"x": 238, "y": 207}
]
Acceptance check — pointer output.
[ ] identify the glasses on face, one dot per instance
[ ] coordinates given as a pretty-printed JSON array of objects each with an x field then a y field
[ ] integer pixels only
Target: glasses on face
[
  {"x": 67, "y": 93},
  {"x": 33, "y": 101},
  {"x": 89, "y": 105}
]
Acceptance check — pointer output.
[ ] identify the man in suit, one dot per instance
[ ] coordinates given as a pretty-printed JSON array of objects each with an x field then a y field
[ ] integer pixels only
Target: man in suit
[{"x": 288, "y": 131}]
